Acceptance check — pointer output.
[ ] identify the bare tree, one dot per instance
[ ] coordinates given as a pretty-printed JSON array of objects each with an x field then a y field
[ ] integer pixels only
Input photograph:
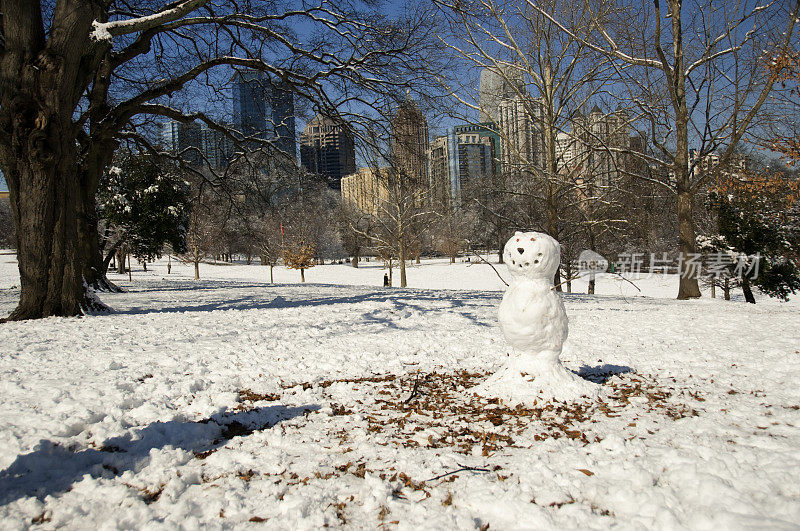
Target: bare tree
[
  {"x": 545, "y": 78},
  {"x": 206, "y": 224},
  {"x": 453, "y": 229},
  {"x": 355, "y": 240},
  {"x": 694, "y": 75},
  {"x": 80, "y": 76}
]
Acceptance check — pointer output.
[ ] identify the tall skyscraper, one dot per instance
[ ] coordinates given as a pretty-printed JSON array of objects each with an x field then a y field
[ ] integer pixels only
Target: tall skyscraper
[
  {"x": 467, "y": 155},
  {"x": 441, "y": 159},
  {"x": 497, "y": 84},
  {"x": 596, "y": 133},
  {"x": 517, "y": 130},
  {"x": 263, "y": 108},
  {"x": 218, "y": 149},
  {"x": 282, "y": 120},
  {"x": 410, "y": 142},
  {"x": 184, "y": 139},
  {"x": 327, "y": 149}
]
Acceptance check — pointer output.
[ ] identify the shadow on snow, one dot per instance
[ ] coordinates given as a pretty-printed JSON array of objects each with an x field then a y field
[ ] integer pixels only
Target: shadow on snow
[
  {"x": 52, "y": 468},
  {"x": 260, "y": 297},
  {"x": 600, "y": 374}
]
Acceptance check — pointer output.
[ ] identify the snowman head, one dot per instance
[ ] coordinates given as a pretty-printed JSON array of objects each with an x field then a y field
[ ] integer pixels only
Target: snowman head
[{"x": 532, "y": 255}]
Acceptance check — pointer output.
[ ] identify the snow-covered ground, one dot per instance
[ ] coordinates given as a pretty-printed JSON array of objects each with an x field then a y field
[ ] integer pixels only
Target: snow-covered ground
[{"x": 229, "y": 402}]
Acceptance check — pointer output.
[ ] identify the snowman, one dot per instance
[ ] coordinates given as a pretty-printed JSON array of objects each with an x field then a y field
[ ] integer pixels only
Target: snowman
[{"x": 534, "y": 322}]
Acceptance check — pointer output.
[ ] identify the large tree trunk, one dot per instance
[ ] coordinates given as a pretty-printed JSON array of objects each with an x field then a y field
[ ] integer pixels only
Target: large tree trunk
[
  {"x": 402, "y": 261},
  {"x": 94, "y": 267},
  {"x": 552, "y": 230},
  {"x": 354, "y": 263},
  {"x": 42, "y": 79},
  {"x": 121, "y": 261},
  {"x": 688, "y": 287},
  {"x": 748, "y": 293},
  {"x": 500, "y": 244},
  {"x": 44, "y": 184},
  {"x": 49, "y": 264}
]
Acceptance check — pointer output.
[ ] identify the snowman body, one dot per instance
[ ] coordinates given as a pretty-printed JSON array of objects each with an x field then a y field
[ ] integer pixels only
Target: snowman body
[
  {"x": 534, "y": 322},
  {"x": 532, "y": 315}
]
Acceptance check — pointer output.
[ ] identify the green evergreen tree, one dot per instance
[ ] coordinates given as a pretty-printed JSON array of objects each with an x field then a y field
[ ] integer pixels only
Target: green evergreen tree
[
  {"x": 146, "y": 205},
  {"x": 759, "y": 215}
]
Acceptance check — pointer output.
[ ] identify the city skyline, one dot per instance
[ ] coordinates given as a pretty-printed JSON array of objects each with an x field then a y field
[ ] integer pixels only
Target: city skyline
[{"x": 327, "y": 148}]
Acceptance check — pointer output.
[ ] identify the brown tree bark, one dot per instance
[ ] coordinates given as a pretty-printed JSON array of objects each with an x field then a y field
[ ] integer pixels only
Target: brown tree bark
[
  {"x": 42, "y": 79},
  {"x": 121, "y": 261},
  {"x": 688, "y": 287},
  {"x": 43, "y": 186},
  {"x": 748, "y": 293},
  {"x": 402, "y": 260}
]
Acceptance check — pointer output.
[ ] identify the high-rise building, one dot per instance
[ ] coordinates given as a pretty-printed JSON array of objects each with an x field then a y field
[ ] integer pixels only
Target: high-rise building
[
  {"x": 410, "y": 142},
  {"x": 441, "y": 172},
  {"x": 197, "y": 143},
  {"x": 517, "y": 130},
  {"x": 327, "y": 148},
  {"x": 218, "y": 149},
  {"x": 497, "y": 84},
  {"x": 598, "y": 146},
  {"x": 282, "y": 120},
  {"x": 367, "y": 190},
  {"x": 183, "y": 139},
  {"x": 467, "y": 155},
  {"x": 264, "y": 109}
]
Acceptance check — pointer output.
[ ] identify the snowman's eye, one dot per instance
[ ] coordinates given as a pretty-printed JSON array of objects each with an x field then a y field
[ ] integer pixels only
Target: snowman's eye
[
  {"x": 527, "y": 264},
  {"x": 536, "y": 261},
  {"x": 540, "y": 254}
]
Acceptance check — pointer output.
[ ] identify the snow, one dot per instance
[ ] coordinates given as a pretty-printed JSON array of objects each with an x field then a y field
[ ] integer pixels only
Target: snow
[
  {"x": 100, "y": 31},
  {"x": 229, "y": 402}
]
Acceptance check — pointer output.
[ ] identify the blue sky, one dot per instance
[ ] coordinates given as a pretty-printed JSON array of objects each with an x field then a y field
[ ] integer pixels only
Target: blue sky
[{"x": 3, "y": 186}]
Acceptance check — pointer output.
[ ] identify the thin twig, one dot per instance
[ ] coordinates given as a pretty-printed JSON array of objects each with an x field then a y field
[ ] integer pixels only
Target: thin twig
[
  {"x": 612, "y": 272},
  {"x": 462, "y": 469},
  {"x": 413, "y": 391},
  {"x": 627, "y": 280},
  {"x": 490, "y": 265},
  {"x": 576, "y": 277}
]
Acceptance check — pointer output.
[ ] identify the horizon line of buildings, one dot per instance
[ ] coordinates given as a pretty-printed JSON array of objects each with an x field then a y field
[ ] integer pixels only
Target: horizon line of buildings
[
  {"x": 508, "y": 139},
  {"x": 264, "y": 118}
]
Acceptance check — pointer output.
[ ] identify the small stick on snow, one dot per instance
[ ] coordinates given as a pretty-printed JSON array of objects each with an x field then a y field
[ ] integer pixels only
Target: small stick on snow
[
  {"x": 462, "y": 469},
  {"x": 414, "y": 390}
]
